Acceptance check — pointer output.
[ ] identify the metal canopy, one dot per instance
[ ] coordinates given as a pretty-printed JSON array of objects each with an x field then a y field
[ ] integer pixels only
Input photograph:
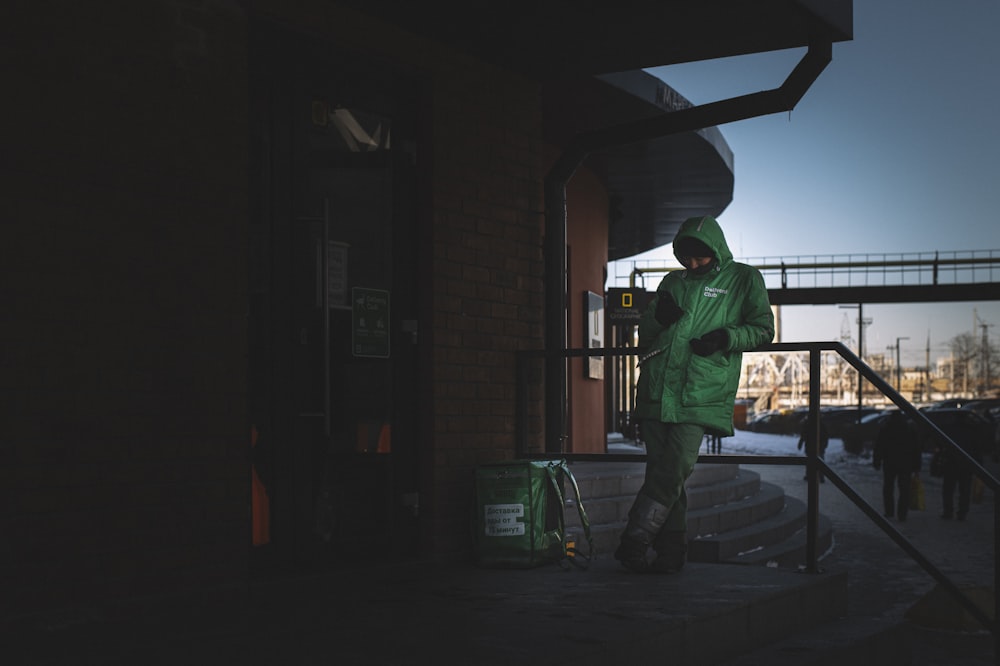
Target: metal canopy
[
  {"x": 654, "y": 185},
  {"x": 566, "y": 45},
  {"x": 562, "y": 39}
]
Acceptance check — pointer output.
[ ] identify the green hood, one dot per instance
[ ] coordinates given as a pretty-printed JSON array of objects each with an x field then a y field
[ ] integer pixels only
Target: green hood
[
  {"x": 675, "y": 385},
  {"x": 707, "y": 230}
]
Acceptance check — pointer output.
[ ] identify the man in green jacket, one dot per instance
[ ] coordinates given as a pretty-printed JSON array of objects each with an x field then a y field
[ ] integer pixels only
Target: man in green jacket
[{"x": 691, "y": 342}]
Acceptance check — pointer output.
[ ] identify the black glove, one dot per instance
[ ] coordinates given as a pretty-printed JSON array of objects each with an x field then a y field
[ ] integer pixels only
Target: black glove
[
  {"x": 711, "y": 342},
  {"x": 667, "y": 310}
]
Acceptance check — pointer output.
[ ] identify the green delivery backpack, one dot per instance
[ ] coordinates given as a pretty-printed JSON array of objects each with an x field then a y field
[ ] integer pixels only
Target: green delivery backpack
[{"x": 519, "y": 515}]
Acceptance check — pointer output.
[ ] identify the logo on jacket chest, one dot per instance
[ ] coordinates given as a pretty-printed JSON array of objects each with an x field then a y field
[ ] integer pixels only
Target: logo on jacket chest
[{"x": 715, "y": 292}]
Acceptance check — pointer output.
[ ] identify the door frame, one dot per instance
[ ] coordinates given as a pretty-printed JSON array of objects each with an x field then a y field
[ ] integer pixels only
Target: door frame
[{"x": 276, "y": 160}]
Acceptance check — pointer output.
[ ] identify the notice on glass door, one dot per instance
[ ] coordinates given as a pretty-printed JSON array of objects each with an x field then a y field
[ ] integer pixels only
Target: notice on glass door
[{"x": 370, "y": 330}]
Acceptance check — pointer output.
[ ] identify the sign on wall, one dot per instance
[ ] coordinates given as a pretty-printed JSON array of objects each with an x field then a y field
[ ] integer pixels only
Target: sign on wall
[
  {"x": 625, "y": 306},
  {"x": 370, "y": 326},
  {"x": 593, "y": 331}
]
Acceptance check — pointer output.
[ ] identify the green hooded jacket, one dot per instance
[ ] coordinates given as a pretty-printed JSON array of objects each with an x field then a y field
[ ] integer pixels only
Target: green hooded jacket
[{"x": 675, "y": 384}]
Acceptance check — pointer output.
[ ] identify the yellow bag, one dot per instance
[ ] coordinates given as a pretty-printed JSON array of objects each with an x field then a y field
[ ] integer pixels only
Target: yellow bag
[
  {"x": 977, "y": 489},
  {"x": 917, "y": 500}
]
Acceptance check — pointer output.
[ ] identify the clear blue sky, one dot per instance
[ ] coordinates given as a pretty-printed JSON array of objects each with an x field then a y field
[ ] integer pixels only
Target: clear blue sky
[{"x": 894, "y": 149}]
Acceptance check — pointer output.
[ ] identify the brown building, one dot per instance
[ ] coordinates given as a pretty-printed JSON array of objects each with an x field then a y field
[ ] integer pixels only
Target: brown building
[{"x": 298, "y": 246}]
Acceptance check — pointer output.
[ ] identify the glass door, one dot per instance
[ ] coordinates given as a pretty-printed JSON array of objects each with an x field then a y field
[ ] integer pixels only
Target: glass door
[{"x": 336, "y": 373}]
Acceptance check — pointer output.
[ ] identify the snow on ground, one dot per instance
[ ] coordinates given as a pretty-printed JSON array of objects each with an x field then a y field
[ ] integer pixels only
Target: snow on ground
[{"x": 744, "y": 442}]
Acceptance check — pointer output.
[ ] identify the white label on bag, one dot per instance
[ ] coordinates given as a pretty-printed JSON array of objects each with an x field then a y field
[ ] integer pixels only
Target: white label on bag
[{"x": 502, "y": 519}]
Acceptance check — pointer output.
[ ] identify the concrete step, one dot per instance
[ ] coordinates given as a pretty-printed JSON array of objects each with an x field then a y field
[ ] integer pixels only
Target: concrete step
[
  {"x": 752, "y": 503},
  {"x": 603, "y": 480},
  {"x": 725, "y": 490},
  {"x": 754, "y": 544},
  {"x": 745, "y": 544},
  {"x": 732, "y": 516},
  {"x": 604, "y": 502},
  {"x": 598, "y": 480},
  {"x": 791, "y": 552}
]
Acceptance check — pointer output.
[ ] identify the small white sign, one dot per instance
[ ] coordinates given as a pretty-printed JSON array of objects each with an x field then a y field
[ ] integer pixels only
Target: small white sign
[{"x": 502, "y": 519}]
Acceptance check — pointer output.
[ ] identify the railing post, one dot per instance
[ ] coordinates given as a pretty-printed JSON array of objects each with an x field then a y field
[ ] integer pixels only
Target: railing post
[
  {"x": 996, "y": 578},
  {"x": 812, "y": 468}
]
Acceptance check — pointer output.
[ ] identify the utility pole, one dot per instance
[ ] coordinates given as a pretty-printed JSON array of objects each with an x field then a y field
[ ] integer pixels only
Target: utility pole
[
  {"x": 984, "y": 371},
  {"x": 862, "y": 322},
  {"x": 926, "y": 394},
  {"x": 899, "y": 380},
  {"x": 985, "y": 351}
]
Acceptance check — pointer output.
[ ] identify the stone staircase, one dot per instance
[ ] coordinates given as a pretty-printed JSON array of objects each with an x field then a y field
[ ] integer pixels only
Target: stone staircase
[{"x": 733, "y": 516}]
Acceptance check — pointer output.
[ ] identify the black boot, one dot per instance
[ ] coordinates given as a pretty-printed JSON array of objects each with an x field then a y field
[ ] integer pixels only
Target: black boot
[
  {"x": 671, "y": 552},
  {"x": 645, "y": 519},
  {"x": 631, "y": 552}
]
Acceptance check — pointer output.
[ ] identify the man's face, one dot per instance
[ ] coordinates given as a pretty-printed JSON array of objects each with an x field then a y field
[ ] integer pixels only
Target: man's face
[{"x": 692, "y": 263}]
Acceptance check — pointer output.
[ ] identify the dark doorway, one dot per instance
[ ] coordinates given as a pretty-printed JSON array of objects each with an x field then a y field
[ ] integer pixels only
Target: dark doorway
[{"x": 334, "y": 313}]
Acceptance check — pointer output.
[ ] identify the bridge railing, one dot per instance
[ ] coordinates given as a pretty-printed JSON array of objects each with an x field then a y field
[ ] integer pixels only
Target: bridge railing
[
  {"x": 852, "y": 270},
  {"x": 815, "y": 466}
]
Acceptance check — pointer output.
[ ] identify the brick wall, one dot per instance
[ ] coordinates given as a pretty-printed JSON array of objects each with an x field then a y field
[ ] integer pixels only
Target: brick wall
[
  {"x": 123, "y": 443},
  {"x": 488, "y": 277}
]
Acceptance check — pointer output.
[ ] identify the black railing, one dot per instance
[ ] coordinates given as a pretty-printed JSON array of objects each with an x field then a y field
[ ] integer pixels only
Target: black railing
[
  {"x": 855, "y": 270},
  {"x": 813, "y": 463}
]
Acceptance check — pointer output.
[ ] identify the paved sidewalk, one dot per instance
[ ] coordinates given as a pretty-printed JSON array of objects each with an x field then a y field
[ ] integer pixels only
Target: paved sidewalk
[
  {"x": 885, "y": 583},
  {"x": 424, "y": 615},
  {"x": 461, "y": 614}
]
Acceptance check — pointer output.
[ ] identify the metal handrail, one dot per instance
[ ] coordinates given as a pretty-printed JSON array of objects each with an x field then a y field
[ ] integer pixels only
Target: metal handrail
[{"x": 813, "y": 463}]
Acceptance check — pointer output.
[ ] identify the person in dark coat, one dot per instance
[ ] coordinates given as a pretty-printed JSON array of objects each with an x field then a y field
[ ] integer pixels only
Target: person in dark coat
[
  {"x": 806, "y": 437},
  {"x": 897, "y": 453},
  {"x": 957, "y": 473}
]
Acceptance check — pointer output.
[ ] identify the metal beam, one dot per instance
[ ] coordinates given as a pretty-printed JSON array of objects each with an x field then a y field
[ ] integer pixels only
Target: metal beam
[{"x": 941, "y": 293}]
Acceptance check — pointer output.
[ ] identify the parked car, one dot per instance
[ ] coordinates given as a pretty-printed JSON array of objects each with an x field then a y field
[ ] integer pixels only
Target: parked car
[
  {"x": 783, "y": 422},
  {"x": 988, "y": 408},
  {"x": 961, "y": 425},
  {"x": 965, "y": 427},
  {"x": 984, "y": 406},
  {"x": 860, "y": 437},
  {"x": 839, "y": 419},
  {"x": 790, "y": 421},
  {"x": 947, "y": 404}
]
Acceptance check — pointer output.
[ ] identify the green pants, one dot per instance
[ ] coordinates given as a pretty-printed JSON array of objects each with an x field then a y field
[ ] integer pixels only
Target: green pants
[{"x": 671, "y": 453}]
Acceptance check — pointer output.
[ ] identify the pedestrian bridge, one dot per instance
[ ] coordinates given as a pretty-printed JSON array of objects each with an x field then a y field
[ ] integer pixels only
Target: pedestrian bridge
[{"x": 920, "y": 277}]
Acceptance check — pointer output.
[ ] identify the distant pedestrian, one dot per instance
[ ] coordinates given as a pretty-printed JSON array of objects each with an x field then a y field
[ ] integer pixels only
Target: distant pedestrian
[
  {"x": 806, "y": 437},
  {"x": 713, "y": 442},
  {"x": 897, "y": 453},
  {"x": 957, "y": 474}
]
